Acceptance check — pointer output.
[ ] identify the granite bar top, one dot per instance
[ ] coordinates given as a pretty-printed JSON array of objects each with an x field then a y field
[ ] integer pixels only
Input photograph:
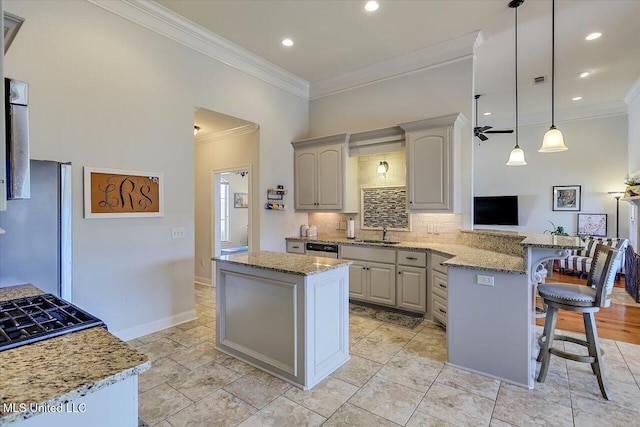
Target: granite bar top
[
  {"x": 553, "y": 242},
  {"x": 64, "y": 368},
  {"x": 301, "y": 265},
  {"x": 463, "y": 255}
]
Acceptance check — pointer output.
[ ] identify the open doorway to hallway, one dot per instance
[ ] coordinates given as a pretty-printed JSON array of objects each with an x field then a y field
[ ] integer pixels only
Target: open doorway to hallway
[
  {"x": 226, "y": 170},
  {"x": 232, "y": 217}
]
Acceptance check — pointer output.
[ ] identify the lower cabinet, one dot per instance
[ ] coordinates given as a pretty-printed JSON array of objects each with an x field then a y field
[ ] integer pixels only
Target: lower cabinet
[
  {"x": 412, "y": 288},
  {"x": 374, "y": 282},
  {"x": 439, "y": 289}
]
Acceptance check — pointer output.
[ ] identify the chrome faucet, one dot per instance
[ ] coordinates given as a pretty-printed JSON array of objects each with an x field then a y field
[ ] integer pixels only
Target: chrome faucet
[{"x": 384, "y": 234}]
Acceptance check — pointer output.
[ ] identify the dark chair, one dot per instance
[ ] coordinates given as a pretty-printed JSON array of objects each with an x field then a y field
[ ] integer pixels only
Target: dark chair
[{"x": 583, "y": 299}]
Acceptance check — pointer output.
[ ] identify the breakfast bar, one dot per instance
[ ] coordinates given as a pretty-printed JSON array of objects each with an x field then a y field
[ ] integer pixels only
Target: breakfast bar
[{"x": 283, "y": 313}]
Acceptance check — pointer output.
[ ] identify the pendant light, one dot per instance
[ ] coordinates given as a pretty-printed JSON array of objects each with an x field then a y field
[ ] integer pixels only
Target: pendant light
[
  {"x": 553, "y": 140},
  {"x": 516, "y": 158}
]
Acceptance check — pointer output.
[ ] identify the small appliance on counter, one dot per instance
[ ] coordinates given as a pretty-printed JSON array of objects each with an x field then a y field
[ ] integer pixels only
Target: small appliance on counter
[
  {"x": 351, "y": 231},
  {"x": 312, "y": 231},
  {"x": 303, "y": 230}
]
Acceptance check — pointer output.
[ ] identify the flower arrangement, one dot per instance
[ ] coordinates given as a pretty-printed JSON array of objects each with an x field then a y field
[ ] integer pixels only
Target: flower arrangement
[
  {"x": 556, "y": 231},
  {"x": 632, "y": 180}
]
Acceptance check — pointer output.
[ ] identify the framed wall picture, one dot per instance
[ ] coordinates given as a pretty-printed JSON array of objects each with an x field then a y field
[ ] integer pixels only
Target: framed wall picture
[
  {"x": 117, "y": 193},
  {"x": 240, "y": 200},
  {"x": 592, "y": 225},
  {"x": 567, "y": 198}
]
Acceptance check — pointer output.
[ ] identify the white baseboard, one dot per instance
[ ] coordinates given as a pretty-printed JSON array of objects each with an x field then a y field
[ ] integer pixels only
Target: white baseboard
[
  {"x": 156, "y": 325},
  {"x": 202, "y": 281}
]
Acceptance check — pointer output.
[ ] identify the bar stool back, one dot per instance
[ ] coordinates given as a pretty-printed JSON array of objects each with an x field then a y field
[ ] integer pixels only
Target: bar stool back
[{"x": 583, "y": 299}]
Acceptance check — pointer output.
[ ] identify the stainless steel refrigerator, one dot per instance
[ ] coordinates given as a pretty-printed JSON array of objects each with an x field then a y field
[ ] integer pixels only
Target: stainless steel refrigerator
[{"x": 36, "y": 245}]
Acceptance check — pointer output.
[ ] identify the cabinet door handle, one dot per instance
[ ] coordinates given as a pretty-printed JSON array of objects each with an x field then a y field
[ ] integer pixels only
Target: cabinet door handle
[
  {"x": 412, "y": 258},
  {"x": 295, "y": 247},
  {"x": 410, "y": 202},
  {"x": 399, "y": 272},
  {"x": 442, "y": 311},
  {"x": 442, "y": 286},
  {"x": 442, "y": 264}
]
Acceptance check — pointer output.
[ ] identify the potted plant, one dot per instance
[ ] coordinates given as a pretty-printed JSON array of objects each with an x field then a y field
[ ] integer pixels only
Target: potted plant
[
  {"x": 633, "y": 186},
  {"x": 556, "y": 231}
]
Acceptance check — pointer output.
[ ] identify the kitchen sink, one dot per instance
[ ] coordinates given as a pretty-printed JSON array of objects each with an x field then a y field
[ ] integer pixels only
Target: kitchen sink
[{"x": 383, "y": 242}]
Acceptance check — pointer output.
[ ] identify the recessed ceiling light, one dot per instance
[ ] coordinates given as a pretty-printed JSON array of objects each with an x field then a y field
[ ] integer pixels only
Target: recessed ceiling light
[
  {"x": 593, "y": 36},
  {"x": 371, "y": 6},
  {"x": 287, "y": 42},
  {"x": 576, "y": 98},
  {"x": 488, "y": 113},
  {"x": 583, "y": 74}
]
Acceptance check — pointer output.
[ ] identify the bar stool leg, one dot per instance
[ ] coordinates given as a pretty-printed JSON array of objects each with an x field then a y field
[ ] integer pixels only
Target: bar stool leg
[
  {"x": 594, "y": 351},
  {"x": 549, "y": 329}
]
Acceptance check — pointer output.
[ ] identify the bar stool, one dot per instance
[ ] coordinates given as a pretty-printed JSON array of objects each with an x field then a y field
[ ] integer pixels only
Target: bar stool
[{"x": 583, "y": 299}]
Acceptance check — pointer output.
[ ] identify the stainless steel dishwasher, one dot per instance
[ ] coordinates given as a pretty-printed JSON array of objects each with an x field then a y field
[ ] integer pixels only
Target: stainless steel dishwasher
[{"x": 322, "y": 249}]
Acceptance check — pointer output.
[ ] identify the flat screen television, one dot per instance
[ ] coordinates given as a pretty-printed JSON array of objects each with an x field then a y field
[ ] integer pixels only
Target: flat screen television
[{"x": 495, "y": 210}]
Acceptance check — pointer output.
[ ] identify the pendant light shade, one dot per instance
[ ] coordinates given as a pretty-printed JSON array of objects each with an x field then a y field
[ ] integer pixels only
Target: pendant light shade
[
  {"x": 516, "y": 158},
  {"x": 553, "y": 141}
]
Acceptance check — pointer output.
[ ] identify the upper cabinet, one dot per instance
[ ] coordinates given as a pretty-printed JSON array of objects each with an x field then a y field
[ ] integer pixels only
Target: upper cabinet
[
  {"x": 325, "y": 178},
  {"x": 434, "y": 164}
]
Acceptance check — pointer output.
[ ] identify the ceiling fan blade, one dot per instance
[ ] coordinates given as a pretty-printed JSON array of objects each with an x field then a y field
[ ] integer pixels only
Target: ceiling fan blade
[
  {"x": 481, "y": 137},
  {"x": 500, "y": 131}
]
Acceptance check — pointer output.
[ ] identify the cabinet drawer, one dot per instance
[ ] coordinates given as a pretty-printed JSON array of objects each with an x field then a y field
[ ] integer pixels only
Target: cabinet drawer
[
  {"x": 416, "y": 259},
  {"x": 439, "y": 309},
  {"x": 439, "y": 286},
  {"x": 365, "y": 253},
  {"x": 295, "y": 247},
  {"x": 436, "y": 263}
]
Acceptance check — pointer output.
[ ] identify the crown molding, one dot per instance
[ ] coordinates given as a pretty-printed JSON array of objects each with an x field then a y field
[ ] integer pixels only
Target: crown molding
[
  {"x": 436, "y": 55},
  {"x": 633, "y": 93},
  {"x": 229, "y": 133},
  {"x": 606, "y": 109},
  {"x": 165, "y": 22}
]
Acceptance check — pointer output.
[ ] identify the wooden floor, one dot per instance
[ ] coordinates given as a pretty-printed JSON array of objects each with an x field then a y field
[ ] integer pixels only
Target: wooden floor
[{"x": 618, "y": 322}]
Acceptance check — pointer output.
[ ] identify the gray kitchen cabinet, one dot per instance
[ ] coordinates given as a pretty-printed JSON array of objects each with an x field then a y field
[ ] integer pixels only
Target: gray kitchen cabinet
[
  {"x": 412, "y": 281},
  {"x": 295, "y": 247},
  {"x": 325, "y": 178},
  {"x": 434, "y": 164},
  {"x": 439, "y": 289},
  {"x": 412, "y": 288},
  {"x": 372, "y": 274}
]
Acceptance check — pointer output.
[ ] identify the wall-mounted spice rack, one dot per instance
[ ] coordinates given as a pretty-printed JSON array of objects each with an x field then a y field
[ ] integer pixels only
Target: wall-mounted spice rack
[{"x": 275, "y": 198}]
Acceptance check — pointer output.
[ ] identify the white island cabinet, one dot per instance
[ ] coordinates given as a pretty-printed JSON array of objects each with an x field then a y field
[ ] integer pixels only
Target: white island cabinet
[{"x": 286, "y": 314}]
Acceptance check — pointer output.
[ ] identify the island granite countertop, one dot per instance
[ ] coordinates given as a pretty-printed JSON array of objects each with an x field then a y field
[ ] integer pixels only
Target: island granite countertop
[
  {"x": 64, "y": 368},
  {"x": 301, "y": 265},
  {"x": 462, "y": 255}
]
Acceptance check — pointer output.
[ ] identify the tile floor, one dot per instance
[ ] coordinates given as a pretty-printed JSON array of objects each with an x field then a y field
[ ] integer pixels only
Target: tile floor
[{"x": 395, "y": 377}]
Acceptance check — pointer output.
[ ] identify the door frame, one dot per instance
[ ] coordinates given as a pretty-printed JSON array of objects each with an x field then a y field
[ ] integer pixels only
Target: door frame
[{"x": 215, "y": 213}]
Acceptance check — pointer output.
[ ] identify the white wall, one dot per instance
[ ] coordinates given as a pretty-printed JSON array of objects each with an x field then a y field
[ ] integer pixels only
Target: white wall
[
  {"x": 634, "y": 131},
  {"x": 596, "y": 160},
  {"x": 429, "y": 93},
  {"x": 106, "y": 92}
]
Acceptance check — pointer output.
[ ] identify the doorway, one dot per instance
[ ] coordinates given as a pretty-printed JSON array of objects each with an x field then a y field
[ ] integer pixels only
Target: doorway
[{"x": 231, "y": 207}]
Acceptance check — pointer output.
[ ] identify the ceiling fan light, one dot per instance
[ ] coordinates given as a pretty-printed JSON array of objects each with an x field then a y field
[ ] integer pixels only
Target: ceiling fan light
[
  {"x": 516, "y": 158},
  {"x": 553, "y": 141}
]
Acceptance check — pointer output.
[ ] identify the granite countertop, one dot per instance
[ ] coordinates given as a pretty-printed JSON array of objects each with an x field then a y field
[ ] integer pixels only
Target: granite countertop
[
  {"x": 64, "y": 368},
  {"x": 301, "y": 265},
  {"x": 463, "y": 255},
  {"x": 553, "y": 242}
]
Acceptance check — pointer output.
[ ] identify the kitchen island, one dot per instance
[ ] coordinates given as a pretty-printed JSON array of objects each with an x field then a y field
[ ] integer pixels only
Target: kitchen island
[
  {"x": 283, "y": 313},
  {"x": 491, "y": 312},
  {"x": 89, "y": 377}
]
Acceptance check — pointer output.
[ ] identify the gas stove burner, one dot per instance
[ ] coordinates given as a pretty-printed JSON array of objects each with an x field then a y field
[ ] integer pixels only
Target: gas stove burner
[{"x": 30, "y": 319}]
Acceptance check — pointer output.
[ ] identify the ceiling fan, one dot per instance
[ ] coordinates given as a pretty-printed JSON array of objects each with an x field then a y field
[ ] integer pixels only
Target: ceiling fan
[{"x": 480, "y": 131}]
